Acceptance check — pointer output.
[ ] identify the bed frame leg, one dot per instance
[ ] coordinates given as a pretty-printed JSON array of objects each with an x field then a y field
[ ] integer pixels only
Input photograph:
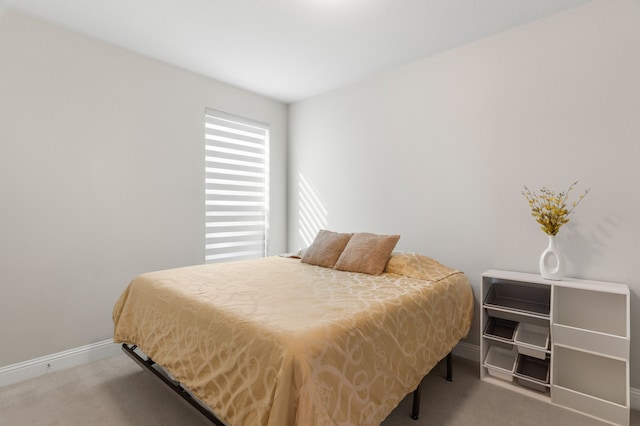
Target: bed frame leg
[{"x": 415, "y": 411}]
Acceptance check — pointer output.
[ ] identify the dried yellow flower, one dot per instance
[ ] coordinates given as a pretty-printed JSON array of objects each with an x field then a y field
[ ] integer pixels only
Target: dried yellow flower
[{"x": 550, "y": 209}]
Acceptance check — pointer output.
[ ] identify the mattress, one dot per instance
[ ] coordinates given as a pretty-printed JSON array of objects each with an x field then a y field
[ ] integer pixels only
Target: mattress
[{"x": 274, "y": 341}]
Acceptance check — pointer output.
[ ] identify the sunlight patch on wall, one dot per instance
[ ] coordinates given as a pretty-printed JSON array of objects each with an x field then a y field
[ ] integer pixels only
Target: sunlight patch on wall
[{"x": 312, "y": 213}]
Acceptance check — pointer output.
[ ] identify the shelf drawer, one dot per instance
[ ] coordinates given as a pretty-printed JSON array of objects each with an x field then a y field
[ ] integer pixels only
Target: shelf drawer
[
  {"x": 532, "y": 372},
  {"x": 518, "y": 297},
  {"x": 606, "y": 344},
  {"x": 587, "y": 309},
  {"x": 601, "y": 377},
  {"x": 500, "y": 329},
  {"x": 596, "y": 407},
  {"x": 501, "y": 362},
  {"x": 532, "y": 340}
]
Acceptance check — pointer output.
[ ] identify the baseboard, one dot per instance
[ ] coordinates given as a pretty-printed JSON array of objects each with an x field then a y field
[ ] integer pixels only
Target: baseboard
[
  {"x": 467, "y": 351},
  {"x": 472, "y": 352},
  {"x": 39, "y": 366},
  {"x": 635, "y": 399}
]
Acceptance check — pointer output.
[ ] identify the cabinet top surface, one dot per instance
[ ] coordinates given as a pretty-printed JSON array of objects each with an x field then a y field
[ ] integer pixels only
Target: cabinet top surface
[{"x": 566, "y": 282}]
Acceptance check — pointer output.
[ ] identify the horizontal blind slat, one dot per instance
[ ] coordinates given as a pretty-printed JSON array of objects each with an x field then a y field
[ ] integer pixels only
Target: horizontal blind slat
[
  {"x": 248, "y": 141},
  {"x": 234, "y": 126}
]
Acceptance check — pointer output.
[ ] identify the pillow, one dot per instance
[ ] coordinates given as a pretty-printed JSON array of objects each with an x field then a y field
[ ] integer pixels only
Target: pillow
[
  {"x": 325, "y": 249},
  {"x": 367, "y": 253},
  {"x": 417, "y": 266}
]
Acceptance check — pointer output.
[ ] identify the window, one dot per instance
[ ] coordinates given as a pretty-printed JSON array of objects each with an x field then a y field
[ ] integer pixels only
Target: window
[{"x": 236, "y": 187}]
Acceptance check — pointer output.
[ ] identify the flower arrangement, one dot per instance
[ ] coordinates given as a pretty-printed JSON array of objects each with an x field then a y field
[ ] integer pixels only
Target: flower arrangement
[{"x": 550, "y": 209}]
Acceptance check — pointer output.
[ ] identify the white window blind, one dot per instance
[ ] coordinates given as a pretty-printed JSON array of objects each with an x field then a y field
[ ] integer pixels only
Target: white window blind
[{"x": 236, "y": 185}]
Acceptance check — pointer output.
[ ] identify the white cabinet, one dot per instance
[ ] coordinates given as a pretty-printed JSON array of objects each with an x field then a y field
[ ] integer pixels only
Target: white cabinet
[{"x": 566, "y": 342}]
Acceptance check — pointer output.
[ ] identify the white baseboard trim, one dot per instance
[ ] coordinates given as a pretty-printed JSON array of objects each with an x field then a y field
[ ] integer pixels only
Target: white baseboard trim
[
  {"x": 634, "y": 399},
  {"x": 472, "y": 352},
  {"x": 467, "y": 351},
  {"x": 39, "y": 366}
]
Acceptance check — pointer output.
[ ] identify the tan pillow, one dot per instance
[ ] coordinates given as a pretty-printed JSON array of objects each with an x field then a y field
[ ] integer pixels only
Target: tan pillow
[
  {"x": 326, "y": 248},
  {"x": 367, "y": 253}
]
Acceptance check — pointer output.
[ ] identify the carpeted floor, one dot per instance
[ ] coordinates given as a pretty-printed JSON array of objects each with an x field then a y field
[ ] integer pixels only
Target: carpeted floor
[{"x": 115, "y": 391}]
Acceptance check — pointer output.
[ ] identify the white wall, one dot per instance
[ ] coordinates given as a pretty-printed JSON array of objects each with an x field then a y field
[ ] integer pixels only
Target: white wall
[
  {"x": 439, "y": 150},
  {"x": 101, "y": 178}
]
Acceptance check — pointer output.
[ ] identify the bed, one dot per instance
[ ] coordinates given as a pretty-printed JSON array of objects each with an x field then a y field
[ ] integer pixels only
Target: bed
[{"x": 277, "y": 341}]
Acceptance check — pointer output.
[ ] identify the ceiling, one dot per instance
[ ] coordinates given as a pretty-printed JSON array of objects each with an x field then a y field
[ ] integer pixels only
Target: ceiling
[{"x": 289, "y": 50}]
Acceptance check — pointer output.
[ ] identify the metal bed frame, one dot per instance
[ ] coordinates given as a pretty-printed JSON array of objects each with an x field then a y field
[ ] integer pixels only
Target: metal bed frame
[{"x": 148, "y": 364}]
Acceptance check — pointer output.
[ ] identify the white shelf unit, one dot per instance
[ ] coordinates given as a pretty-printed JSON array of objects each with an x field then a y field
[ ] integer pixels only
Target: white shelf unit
[{"x": 566, "y": 342}]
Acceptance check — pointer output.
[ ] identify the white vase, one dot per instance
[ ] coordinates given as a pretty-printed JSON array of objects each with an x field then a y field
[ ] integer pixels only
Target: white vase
[{"x": 552, "y": 261}]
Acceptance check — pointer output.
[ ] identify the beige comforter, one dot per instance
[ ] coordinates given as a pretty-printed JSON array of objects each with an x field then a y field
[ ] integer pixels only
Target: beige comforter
[{"x": 278, "y": 342}]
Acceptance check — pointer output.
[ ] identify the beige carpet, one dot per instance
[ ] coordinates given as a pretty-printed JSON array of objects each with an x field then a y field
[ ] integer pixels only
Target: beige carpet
[{"x": 116, "y": 391}]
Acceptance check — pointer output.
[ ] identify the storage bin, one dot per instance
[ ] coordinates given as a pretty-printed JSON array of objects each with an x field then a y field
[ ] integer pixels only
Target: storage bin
[
  {"x": 517, "y": 297},
  {"x": 532, "y": 385},
  {"x": 532, "y": 340},
  {"x": 501, "y": 362},
  {"x": 534, "y": 372},
  {"x": 500, "y": 329}
]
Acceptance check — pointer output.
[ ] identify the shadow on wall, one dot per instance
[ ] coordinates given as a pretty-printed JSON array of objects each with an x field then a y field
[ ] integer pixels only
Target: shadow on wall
[{"x": 312, "y": 214}]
